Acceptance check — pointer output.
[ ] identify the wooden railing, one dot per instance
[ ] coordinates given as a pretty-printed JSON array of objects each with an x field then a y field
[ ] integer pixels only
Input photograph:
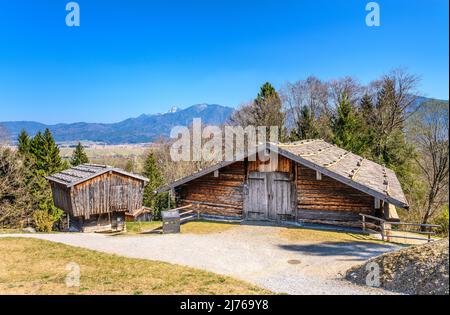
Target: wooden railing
[
  {"x": 186, "y": 214},
  {"x": 384, "y": 227}
]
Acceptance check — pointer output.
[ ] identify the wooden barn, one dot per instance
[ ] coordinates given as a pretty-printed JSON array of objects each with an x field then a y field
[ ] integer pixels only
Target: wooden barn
[
  {"x": 310, "y": 181},
  {"x": 97, "y": 197}
]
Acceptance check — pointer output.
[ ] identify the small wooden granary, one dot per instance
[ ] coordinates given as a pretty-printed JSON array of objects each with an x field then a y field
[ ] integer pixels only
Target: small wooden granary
[
  {"x": 310, "y": 181},
  {"x": 96, "y": 197}
]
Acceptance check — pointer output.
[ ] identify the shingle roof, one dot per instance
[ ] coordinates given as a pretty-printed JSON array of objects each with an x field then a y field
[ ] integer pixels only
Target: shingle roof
[
  {"x": 84, "y": 172},
  {"x": 354, "y": 170},
  {"x": 339, "y": 164}
]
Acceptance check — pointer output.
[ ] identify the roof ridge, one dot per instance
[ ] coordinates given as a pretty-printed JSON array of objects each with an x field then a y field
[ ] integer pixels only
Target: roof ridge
[{"x": 66, "y": 172}]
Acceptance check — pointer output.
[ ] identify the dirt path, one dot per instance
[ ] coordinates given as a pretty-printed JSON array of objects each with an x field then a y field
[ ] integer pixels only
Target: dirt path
[{"x": 251, "y": 253}]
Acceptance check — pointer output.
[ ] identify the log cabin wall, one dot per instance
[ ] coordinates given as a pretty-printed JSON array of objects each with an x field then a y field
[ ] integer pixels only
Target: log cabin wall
[
  {"x": 325, "y": 199},
  {"x": 220, "y": 196},
  {"x": 328, "y": 199},
  {"x": 107, "y": 193}
]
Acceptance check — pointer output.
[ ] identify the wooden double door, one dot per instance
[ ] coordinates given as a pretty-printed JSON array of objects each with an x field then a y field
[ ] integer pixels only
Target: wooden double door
[{"x": 271, "y": 196}]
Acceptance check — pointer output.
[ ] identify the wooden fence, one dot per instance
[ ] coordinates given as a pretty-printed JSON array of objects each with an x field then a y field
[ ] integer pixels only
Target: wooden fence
[
  {"x": 385, "y": 228},
  {"x": 188, "y": 215}
]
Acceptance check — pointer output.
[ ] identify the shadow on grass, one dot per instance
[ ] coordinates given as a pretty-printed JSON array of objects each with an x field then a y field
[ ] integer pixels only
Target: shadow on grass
[{"x": 356, "y": 250}]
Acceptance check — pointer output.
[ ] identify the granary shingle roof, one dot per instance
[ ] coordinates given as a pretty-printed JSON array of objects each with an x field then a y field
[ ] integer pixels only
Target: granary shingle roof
[
  {"x": 332, "y": 161},
  {"x": 79, "y": 174}
]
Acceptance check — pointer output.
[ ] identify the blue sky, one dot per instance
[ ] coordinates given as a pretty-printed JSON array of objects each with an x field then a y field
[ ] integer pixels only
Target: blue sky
[{"x": 133, "y": 57}]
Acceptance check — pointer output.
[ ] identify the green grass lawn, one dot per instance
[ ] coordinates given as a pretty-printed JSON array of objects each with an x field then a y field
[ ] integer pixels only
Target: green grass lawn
[
  {"x": 194, "y": 227},
  {"x": 34, "y": 266},
  {"x": 311, "y": 235},
  {"x": 10, "y": 231}
]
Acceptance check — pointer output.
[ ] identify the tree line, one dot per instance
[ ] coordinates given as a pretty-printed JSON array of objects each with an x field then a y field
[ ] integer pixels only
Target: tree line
[
  {"x": 25, "y": 194},
  {"x": 384, "y": 121}
]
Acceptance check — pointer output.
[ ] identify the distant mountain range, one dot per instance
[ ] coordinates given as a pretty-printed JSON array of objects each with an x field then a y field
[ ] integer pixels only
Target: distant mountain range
[
  {"x": 145, "y": 128},
  {"x": 142, "y": 129}
]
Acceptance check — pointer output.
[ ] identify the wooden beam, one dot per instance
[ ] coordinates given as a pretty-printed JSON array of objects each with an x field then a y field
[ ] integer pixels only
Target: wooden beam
[
  {"x": 318, "y": 175},
  {"x": 377, "y": 203}
]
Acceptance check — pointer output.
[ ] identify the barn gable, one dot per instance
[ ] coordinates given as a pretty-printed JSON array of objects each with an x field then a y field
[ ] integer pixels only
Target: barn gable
[{"x": 326, "y": 159}]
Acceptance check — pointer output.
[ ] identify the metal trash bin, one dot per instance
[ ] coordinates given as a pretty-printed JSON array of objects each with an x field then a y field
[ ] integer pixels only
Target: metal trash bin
[{"x": 171, "y": 221}]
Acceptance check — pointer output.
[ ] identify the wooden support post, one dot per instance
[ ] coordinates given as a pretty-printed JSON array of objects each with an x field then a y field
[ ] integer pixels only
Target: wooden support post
[
  {"x": 168, "y": 199},
  {"x": 297, "y": 191},
  {"x": 364, "y": 223},
  {"x": 382, "y": 231},
  {"x": 377, "y": 204},
  {"x": 198, "y": 214}
]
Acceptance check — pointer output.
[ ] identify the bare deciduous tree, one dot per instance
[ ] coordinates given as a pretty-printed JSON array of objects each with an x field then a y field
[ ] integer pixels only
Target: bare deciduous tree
[
  {"x": 347, "y": 86},
  {"x": 244, "y": 115},
  {"x": 14, "y": 198},
  {"x": 394, "y": 98},
  {"x": 397, "y": 96},
  {"x": 429, "y": 131},
  {"x": 4, "y": 136},
  {"x": 306, "y": 103}
]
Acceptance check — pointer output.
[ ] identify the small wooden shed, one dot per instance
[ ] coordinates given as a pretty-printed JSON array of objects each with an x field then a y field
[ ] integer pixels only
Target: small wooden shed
[
  {"x": 310, "y": 181},
  {"x": 96, "y": 197}
]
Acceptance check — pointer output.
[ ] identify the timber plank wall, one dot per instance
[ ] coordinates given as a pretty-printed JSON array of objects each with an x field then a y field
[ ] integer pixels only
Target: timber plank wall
[
  {"x": 102, "y": 194},
  {"x": 221, "y": 196},
  {"x": 61, "y": 197}
]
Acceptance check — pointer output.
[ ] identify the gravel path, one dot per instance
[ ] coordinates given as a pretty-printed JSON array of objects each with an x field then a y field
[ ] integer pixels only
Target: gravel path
[{"x": 252, "y": 253}]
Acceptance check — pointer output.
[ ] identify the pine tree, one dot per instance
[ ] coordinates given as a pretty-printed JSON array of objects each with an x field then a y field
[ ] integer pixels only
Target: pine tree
[
  {"x": 129, "y": 167},
  {"x": 347, "y": 127},
  {"x": 367, "y": 109},
  {"x": 79, "y": 156},
  {"x": 42, "y": 159},
  {"x": 46, "y": 153},
  {"x": 152, "y": 172},
  {"x": 37, "y": 151},
  {"x": 23, "y": 142},
  {"x": 368, "y": 115},
  {"x": 266, "y": 110},
  {"x": 306, "y": 126},
  {"x": 53, "y": 155},
  {"x": 267, "y": 93}
]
